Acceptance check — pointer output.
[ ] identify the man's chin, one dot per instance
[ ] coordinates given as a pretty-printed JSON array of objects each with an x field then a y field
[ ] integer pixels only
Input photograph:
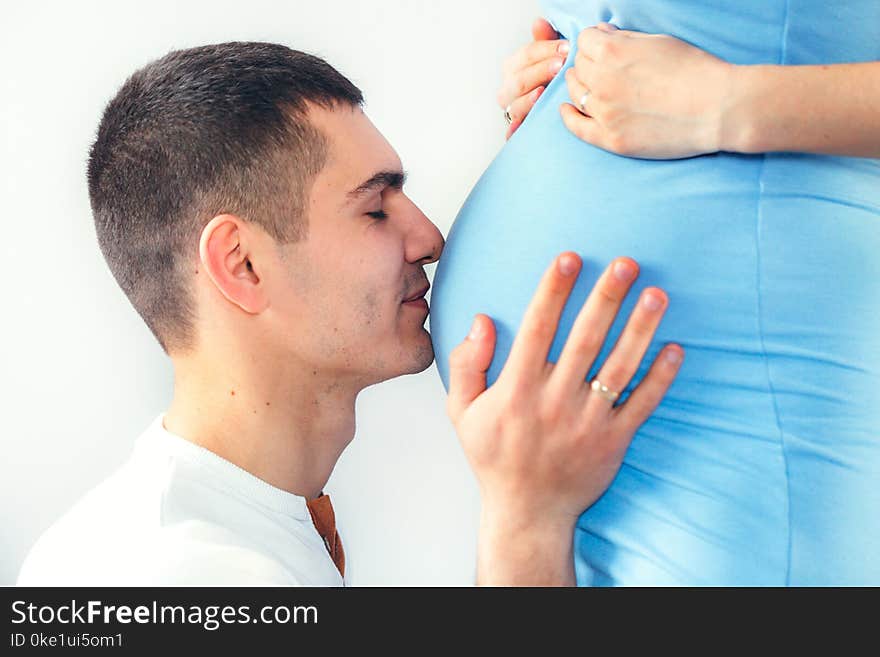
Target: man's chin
[
  {"x": 423, "y": 356},
  {"x": 418, "y": 356},
  {"x": 414, "y": 359}
]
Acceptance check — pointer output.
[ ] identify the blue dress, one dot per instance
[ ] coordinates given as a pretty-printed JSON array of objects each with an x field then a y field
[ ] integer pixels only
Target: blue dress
[{"x": 762, "y": 464}]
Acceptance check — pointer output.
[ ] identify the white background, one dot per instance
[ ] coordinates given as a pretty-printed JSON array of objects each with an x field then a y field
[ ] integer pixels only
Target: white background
[{"x": 80, "y": 374}]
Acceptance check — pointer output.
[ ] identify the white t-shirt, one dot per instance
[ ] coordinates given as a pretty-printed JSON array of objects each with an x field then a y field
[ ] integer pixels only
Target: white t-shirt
[{"x": 178, "y": 514}]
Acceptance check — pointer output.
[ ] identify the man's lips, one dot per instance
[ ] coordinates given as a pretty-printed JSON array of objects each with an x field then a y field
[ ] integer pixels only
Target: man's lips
[{"x": 418, "y": 295}]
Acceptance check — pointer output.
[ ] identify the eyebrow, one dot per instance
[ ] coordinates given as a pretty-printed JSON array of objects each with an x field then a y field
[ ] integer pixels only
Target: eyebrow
[{"x": 379, "y": 180}]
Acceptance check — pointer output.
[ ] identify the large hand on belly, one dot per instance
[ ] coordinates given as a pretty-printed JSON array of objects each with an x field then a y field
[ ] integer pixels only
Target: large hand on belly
[
  {"x": 646, "y": 95},
  {"x": 544, "y": 445}
]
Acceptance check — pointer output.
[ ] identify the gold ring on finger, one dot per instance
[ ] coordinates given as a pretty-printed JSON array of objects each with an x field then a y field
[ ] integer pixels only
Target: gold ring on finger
[{"x": 603, "y": 391}]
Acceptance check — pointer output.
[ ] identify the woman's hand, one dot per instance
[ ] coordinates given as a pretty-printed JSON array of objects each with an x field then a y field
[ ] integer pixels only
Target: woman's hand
[
  {"x": 543, "y": 443},
  {"x": 528, "y": 70},
  {"x": 646, "y": 95}
]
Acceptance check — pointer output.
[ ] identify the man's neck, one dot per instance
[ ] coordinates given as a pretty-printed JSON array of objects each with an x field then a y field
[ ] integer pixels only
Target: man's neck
[{"x": 285, "y": 424}]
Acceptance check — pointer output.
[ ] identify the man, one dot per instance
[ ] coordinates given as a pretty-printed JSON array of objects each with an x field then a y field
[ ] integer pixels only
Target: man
[{"x": 257, "y": 222}]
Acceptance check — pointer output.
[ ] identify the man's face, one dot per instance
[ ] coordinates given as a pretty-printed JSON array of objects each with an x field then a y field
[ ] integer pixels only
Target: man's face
[{"x": 342, "y": 298}]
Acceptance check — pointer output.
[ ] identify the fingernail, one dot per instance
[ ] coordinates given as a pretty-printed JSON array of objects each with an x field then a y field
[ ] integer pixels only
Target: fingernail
[
  {"x": 555, "y": 65},
  {"x": 476, "y": 330},
  {"x": 651, "y": 302},
  {"x": 563, "y": 48},
  {"x": 624, "y": 271},
  {"x": 673, "y": 356},
  {"x": 567, "y": 265}
]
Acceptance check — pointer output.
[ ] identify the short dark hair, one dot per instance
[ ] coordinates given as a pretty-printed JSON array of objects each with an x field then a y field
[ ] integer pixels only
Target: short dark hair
[{"x": 201, "y": 132}]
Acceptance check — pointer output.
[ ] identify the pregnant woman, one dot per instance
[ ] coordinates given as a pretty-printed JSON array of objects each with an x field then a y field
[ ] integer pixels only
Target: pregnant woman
[{"x": 732, "y": 158}]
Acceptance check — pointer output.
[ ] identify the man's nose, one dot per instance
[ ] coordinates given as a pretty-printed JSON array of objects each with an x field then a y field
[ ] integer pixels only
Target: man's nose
[{"x": 425, "y": 240}]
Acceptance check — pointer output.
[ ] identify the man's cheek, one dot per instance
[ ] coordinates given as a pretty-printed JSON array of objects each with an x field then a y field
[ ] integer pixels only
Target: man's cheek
[{"x": 365, "y": 311}]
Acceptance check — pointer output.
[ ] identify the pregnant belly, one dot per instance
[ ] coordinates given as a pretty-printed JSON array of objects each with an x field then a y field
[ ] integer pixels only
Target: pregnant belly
[{"x": 745, "y": 444}]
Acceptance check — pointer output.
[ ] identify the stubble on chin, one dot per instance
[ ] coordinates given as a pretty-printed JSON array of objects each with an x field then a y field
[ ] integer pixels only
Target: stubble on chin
[
  {"x": 423, "y": 355},
  {"x": 408, "y": 359}
]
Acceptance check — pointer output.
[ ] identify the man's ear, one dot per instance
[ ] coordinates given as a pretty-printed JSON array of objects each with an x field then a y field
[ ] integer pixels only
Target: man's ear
[{"x": 227, "y": 257}]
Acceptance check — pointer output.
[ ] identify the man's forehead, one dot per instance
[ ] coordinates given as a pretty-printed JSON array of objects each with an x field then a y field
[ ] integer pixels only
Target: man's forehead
[{"x": 357, "y": 150}]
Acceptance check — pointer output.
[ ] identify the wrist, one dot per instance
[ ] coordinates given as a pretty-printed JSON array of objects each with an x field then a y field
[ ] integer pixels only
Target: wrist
[
  {"x": 523, "y": 518},
  {"x": 738, "y": 126},
  {"x": 519, "y": 548}
]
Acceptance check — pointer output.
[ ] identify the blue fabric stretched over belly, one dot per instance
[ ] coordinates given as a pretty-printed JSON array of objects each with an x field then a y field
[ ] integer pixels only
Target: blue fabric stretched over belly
[{"x": 762, "y": 465}]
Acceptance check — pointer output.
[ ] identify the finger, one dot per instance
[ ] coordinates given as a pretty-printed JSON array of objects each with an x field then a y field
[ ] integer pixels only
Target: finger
[
  {"x": 531, "y": 77},
  {"x": 468, "y": 364},
  {"x": 583, "y": 127},
  {"x": 513, "y": 127},
  {"x": 528, "y": 355},
  {"x": 585, "y": 69},
  {"x": 537, "y": 51},
  {"x": 593, "y": 42},
  {"x": 543, "y": 31},
  {"x": 580, "y": 93},
  {"x": 521, "y": 107},
  {"x": 633, "y": 342},
  {"x": 593, "y": 322},
  {"x": 650, "y": 392},
  {"x": 607, "y": 27}
]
